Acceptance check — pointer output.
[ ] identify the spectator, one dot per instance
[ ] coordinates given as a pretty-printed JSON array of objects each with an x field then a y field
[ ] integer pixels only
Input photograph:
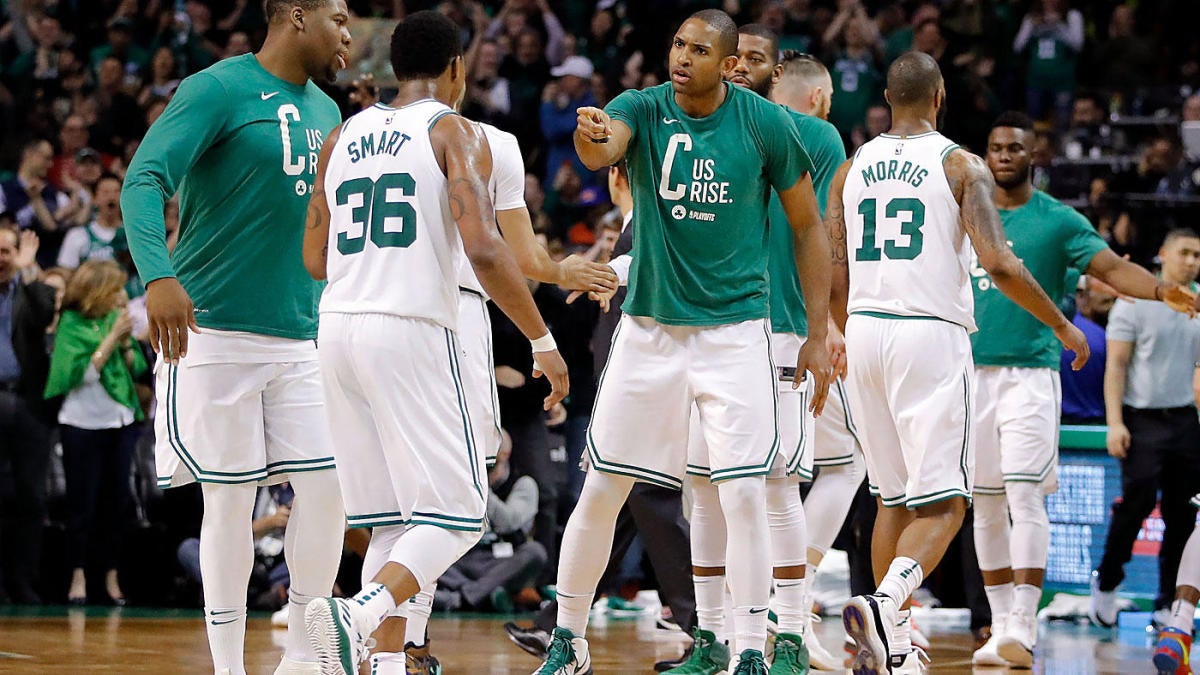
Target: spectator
[
  {"x": 571, "y": 91},
  {"x": 121, "y": 46},
  {"x": 73, "y": 137},
  {"x": 1083, "y": 389},
  {"x": 1053, "y": 37},
  {"x": 1160, "y": 156},
  {"x": 602, "y": 46},
  {"x": 163, "y": 77},
  {"x": 527, "y": 72},
  {"x": 1088, "y": 135},
  {"x": 1124, "y": 58},
  {"x": 535, "y": 201},
  {"x": 856, "y": 81},
  {"x": 505, "y": 560},
  {"x": 516, "y": 17},
  {"x": 927, "y": 38},
  {"x": 238, "y": 44},
  {"x": 41, "y": 65},
  {"x": 26, "y": 313},
  {"x": 1153, "y": 429},
  {"x": 879, "y": 120},
  {"x": 488, "y": 98},
  {"x": 118, "y": 117},
  {"x": 35, "y": 203},
  {"x": 852, "y": 12},
  {"x": 1191, "y": 108},
  {"x": 901, "y": 40},
  {"x": 93, "y": 365},
  {"x": 101, "y": 238}
]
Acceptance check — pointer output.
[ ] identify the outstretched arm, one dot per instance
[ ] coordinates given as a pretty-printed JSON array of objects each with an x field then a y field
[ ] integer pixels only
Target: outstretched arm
[
  {"x": 972, "y": 185},
  {"x": 1136, "y": 281},
  {"x": 316, "y": 229},
  {"x": 600, "y": 141}
]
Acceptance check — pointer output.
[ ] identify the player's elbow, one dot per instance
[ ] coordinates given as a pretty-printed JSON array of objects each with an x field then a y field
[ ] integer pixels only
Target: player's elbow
[
  {"x": 484, "y": 254},
  {"x": 1001, "y": 266}
]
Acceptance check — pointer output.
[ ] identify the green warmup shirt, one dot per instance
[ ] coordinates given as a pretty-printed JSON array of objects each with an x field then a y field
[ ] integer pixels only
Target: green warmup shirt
[
  {"x": 240, "y": 145},
  {"x": 700, "y": 192},
  {"x": 824, "y": 146},
  {"x": 1050, "y": 238}
]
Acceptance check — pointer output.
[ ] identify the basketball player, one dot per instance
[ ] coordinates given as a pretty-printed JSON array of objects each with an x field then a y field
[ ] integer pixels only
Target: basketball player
[
  {"x": 396, "y": 177},
  {"x": 806, "y": 87},
  {"x": 703, "y": 156},
  {"x": 1172, "y": 654},
  {"x": 916, "y": 204},
  {"x": 758, "y": 69},
  {"x": 240, "y": 403},
  {"x": 507, "y": 191},
  {"x": 1018, "y": 398}
]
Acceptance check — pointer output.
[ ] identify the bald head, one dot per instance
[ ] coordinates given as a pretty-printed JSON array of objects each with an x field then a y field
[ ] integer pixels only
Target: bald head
[
  {"x": 724, "y": 26},
  {"x": 913, "y": 79}
]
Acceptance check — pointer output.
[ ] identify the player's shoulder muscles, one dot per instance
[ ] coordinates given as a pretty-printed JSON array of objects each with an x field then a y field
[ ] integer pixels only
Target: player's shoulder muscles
[
  {"x": 972, "y": 184},
  {"x": 456, "y": 140}
]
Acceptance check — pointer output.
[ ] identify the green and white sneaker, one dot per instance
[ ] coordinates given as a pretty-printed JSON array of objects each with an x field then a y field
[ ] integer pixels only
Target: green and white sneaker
[
  {"x": 791, "y": 656},
  {"x": 751, "y": 662},
  {"x": 566, "y": 655},
  {"x": 709, "y": 656},
  {"x": 339, "y": 632}
]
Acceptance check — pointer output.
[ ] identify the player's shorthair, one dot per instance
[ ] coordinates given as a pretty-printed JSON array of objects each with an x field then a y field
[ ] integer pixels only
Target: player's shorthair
[
  {"x": 759, "y": 30},
  {"x": 275, "y": 8},
  {"x": 807, "y": 66},
  {"x": 913, "y": 78},
  {"x": 1014, "y": 119},
  {"x": 423, "y": 45},
  {"x": 725, "y": 26}
]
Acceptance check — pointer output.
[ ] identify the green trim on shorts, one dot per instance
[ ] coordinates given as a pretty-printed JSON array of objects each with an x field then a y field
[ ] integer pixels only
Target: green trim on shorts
[
  {"x": 962, "y": 457},
  {"x": 468, "y": 432},
  {"x": 850, "y": 425},
  {"x": 840, "y": 460},
  {"x": 938, "y": 497},
  {"x": 455, "y": 523},
  {"x": 795, "y": 466},
  {"x": 983, "y": 490},
  {"x": 900, "y": 317},
  {"x": 382, "y": 519},
  {"x": 697, "y": 470}
]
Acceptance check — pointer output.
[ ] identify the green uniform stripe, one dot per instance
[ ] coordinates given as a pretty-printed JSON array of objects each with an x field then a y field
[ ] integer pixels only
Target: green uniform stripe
[
  {"x": 462, "y": 409},
  {"x": 949, "y": 149},
  {"x": 962, "y": 458},
  {"x": 434, "y": 120},
  {"x": 899, "y": 317}
]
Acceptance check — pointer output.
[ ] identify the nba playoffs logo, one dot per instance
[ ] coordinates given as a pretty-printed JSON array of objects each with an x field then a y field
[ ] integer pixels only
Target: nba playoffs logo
[{"x": 678, "y": 212}]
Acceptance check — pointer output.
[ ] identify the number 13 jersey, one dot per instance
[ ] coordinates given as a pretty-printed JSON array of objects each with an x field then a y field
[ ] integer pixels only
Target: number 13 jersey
[
  {"x": 394, "y": 248},
  {"x": 908, "y": 254}
]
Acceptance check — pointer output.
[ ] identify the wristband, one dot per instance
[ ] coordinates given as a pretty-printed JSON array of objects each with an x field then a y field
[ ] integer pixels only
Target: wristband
[{"x": 543, "y": 344}]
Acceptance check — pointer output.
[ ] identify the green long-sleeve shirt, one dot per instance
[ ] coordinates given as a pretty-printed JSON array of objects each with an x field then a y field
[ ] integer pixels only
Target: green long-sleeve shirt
[{"x": 240, "y": 145}]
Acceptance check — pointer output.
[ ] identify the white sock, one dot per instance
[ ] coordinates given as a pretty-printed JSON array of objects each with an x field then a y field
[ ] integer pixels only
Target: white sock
[
  {"x": 1000, "y": 598},
  {"x": 790, "y": 595},
  {"x": 748, "y": 559},
  {"x": 419, "y": 607},
  {"x": 298, "y": 648},
  {"x": 586, "y": 545},
  {"x": 389, "y": 663},
  {"x": 901, "y": 642},
  {"x": 750, "y": 629},
  {"x": 226, "y": 559},
  {"x": 903, "y": 577},
  {"x": 376, "y": 599},
  {"x": 1183, "y": 615},
  {"x": 1026, "y": 597},
  {"x": 226, "y": 637},
  {"x": 710, "y": 605}
]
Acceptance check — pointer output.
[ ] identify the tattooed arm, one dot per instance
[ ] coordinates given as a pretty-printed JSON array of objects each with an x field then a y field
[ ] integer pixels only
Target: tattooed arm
[
  {"x": 463, "y": 153},
  {"x": 316, "y": 228},
  {"x": 972, "y": 185},
  {"x": 835, "y": 225}
]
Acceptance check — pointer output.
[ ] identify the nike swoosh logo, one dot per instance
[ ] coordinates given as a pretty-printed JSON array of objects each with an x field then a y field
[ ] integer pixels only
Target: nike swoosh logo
[
  {"x": 790, "y": 585},
  {"x": 223, "y": 611},
  {"x": 222, "y": 623},
  {"x": 760, "y": 610},
  {"x": 266, "y": 96},
  {"x": 669, "y": 121}
]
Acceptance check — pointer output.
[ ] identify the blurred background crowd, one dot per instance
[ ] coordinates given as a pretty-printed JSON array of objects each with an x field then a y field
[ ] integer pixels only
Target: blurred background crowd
[{"x": 1115, "y": 88}]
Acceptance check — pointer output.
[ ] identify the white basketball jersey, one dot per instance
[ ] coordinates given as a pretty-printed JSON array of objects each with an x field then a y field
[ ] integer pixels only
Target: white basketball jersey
[
  {"x": 908, "y": 254},
  {"x": 393, "y": 246},
  {"x": 506, "y": 187}
]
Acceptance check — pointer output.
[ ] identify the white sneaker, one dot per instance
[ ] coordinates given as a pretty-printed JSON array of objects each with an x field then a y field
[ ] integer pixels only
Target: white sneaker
[
  {"x": 389, "y": 664},
  {"x": 1019, "y": 638},
  {"x": 869, "y": 620},
  {"x": 338, "y": 631},
  {"x": 915, "y": 662},
  {"x": 819, "y": 658},
  {"x": 566, "y": 655},
  {"x": 290, "y": 667},
  {"x": 1103, "y": 607},
  {"x": 915, "y": 635},
  {"x": 280, "y": 619},
  {"x": 988, "y": 655}
]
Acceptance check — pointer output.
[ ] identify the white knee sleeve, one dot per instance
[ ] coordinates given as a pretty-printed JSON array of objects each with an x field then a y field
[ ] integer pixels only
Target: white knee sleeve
[
  {"x": 829, "y": 501},
  {"x": 316, "y": 527},
  {"x": 708, "y": 533},
  {"x": 586, "y": 546},
  {"x": 786, "y": 522},
  {"x": 427, "y": 551},
  {"x": 992, "y": 532},
  {"x": 1030, "y": 525},
  {"x": 1189, "y": 564},
  {"x": 383, "y": 540},
  {"x": 227, "y": 543}
]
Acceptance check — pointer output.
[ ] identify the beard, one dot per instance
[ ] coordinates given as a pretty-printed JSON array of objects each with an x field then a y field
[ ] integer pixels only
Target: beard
[{"x": 1018, "y": 179}]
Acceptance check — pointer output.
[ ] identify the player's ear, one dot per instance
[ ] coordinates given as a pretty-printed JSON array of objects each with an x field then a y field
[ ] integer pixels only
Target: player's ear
[
  {"x": 297, "y": 18},
  {"x": 776, "y": 74},
  {"x": 729, "y": 63}
]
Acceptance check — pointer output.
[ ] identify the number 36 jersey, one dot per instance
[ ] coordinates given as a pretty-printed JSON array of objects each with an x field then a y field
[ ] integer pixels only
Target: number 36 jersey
[
  {"x": 909, "y": 256},
  {"x": 393, "y": 246}
]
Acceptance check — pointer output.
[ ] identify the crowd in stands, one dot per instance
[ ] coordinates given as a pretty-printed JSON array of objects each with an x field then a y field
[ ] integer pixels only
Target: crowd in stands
[{"x": 1114, "y": 86}]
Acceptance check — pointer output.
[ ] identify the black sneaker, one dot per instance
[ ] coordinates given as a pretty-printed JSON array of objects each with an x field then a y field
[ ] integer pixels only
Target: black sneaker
[
  {"x": 675, "y": 663},
  {"x": 533, "y": 641}
]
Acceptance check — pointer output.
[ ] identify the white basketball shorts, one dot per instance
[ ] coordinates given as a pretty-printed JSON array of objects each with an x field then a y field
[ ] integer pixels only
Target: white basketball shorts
[
  {"x": 1016, "y": 430},
  {"x": 655, "y": 375},
  {"x": 909, "y": 387},
  {"x": 401, "y": 429},
  {"x": 240, "y": 408},
  {"x": 835, "y": 439},
  {"x": 479, "y": 371}
]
